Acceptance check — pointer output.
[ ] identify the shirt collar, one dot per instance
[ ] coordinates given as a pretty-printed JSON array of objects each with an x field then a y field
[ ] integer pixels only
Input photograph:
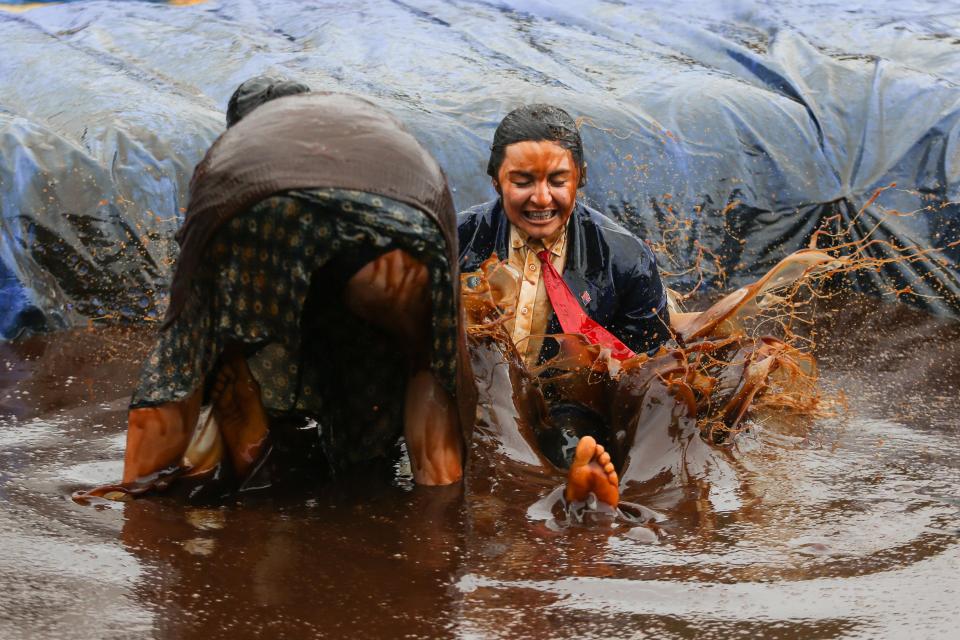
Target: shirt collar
[{"x": 554, "y": 243}]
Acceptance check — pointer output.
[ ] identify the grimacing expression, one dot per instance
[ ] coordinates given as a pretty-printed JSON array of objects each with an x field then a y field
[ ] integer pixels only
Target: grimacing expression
[{"x": 537, "y": 183}]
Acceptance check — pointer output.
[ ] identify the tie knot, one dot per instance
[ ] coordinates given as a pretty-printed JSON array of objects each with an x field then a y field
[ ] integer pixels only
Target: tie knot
[{"x": 544, "y": 255}]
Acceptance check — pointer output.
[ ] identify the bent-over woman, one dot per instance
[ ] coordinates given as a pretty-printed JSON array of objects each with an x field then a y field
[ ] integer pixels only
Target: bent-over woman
[{"x": 317, "y": 279}]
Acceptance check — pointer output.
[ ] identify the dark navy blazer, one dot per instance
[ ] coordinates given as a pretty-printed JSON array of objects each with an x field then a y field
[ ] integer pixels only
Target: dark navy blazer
[{"x": 613, "y": 267}]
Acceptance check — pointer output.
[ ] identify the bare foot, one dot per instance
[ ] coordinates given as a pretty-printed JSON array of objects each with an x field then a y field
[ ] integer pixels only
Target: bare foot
[
  {"x": 158, "y": 436},
  {"x": 239, "y": 412},
  {"x": 592, "y": 471}
]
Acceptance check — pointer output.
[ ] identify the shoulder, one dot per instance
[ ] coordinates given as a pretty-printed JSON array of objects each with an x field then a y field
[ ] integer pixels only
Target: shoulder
[
  {"x": 624, "y": 246},
  {"x": 476, "y": 233},
  {"x": 476, "y": 214},
  {"x": 478, "y": 223}
]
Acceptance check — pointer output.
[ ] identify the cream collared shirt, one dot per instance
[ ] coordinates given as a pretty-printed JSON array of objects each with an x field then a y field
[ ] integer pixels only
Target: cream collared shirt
[{"x": 533, "y": 307}]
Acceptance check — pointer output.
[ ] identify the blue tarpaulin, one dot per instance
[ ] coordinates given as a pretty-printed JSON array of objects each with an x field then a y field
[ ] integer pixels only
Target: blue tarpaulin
[{"x": 736, "y": 126}]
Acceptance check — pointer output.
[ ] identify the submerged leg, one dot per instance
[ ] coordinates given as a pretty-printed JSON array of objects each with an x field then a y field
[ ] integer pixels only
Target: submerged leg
[
  {"x": 392, "y": 292},
  {"x": 158, "y": 436},
  {"x": 238, "y": 410},
  {"x": 431, "y": 431},
  {"x": 592, "y": 471}
]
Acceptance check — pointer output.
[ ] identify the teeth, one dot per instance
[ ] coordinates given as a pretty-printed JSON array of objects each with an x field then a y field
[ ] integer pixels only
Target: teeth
[{"x": 539, "y": 215}]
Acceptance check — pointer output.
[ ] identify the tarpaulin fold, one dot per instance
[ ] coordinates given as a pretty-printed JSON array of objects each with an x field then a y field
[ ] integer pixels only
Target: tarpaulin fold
[{"x": 735, "y": 127}]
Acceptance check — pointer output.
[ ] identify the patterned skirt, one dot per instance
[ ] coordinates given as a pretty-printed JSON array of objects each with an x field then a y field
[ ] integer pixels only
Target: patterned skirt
[{"x": 272, "y": 281}]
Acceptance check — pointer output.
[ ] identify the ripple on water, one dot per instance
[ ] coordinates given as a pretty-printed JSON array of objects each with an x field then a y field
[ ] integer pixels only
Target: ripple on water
[
  {"x": 866, "y": 604},
  {"x": 33, "y": 432},
  {"x": 848, "y": 529}
]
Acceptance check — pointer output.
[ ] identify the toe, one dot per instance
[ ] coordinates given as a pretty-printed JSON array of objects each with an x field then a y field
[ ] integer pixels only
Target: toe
[
  {"x": 585, "y": 449},
  {"x": 608, "y": 468}
]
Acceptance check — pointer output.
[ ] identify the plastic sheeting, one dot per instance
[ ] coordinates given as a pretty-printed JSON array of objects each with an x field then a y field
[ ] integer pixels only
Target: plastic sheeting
[{"x": 738, "y": 125}]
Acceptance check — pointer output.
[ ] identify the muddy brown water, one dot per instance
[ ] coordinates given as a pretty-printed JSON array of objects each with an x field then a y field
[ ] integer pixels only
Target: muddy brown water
[{"x": 848, "y": 526}]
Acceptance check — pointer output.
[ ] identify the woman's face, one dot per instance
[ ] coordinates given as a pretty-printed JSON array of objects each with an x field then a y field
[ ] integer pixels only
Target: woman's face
[{"x": 538, "y": 185}]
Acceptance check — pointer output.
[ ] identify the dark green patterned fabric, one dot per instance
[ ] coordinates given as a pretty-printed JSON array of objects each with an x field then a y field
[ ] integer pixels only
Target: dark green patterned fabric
[{"x": 271, "y": 280}]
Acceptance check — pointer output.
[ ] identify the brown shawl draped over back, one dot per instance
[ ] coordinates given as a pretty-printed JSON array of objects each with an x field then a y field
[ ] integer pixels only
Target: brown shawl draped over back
[{"x": 309, "y": 141}]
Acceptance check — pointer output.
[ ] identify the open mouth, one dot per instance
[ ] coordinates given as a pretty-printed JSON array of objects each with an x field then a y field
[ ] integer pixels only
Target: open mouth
[{"x": 540, "y": 216}]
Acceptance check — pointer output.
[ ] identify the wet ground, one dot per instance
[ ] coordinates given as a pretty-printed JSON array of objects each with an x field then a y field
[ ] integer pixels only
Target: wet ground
[{"x": 848, "y": 526}]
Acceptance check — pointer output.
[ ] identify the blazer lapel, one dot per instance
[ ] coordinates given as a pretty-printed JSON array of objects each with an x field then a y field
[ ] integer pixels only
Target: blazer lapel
[{"x": 501, "y": 231}]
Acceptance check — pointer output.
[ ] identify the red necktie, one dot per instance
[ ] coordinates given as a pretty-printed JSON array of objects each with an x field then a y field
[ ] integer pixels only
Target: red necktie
[{"x": 572, "y": 317}]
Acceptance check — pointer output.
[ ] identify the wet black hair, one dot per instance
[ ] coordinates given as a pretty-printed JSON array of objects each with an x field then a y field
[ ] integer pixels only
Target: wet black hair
[
  {"x": 254, "y": 92},
  {"x": 537, "y": 122}
]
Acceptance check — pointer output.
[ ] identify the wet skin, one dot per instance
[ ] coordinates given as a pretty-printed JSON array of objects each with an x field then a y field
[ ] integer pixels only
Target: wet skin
[
  {"x": 239, "y": 412},
  {"x": 592, "y": 471},
  {"x": 390, "y": 292},
  {"x": 158, "y": 436},
  {"x": 537, "y": 183}
]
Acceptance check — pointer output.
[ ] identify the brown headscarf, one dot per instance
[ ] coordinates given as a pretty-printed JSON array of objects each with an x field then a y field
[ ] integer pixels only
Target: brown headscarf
[{"x": 309, "y": 141}]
